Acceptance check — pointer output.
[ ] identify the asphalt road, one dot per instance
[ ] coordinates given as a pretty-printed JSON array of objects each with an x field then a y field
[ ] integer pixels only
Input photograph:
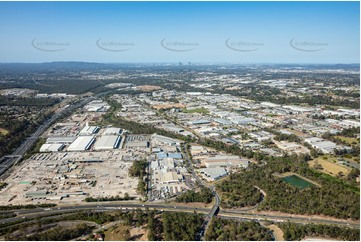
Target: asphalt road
[
  {"x": 7, "y": 161},
  {"x": 215, "y": 207},
  {"x": 34, "y": 213}
]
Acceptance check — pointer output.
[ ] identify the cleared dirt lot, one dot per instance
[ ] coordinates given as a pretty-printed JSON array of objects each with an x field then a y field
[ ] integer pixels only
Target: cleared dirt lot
[
  {"x": 148, "y": 88},
  {"x": 175, "y": 105},
  {"x": 277, "y": 232},
  {"x": 318, "y": 239},
  {"x": 117, "y": 233}
]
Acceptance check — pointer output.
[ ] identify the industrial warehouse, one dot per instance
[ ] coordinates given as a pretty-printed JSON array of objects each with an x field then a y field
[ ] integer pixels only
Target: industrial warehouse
[
  {"x": 88, "y": 138},
  {"x": 107, "y": 142},
  {"x": 81, "y": 158},
  {"x": 77, "y": 160},
  {"x": 81, "y": 143}
]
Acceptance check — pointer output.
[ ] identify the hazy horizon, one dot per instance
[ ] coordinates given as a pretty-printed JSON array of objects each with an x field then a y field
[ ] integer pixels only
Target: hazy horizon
[{"x": 185, "y": 63}]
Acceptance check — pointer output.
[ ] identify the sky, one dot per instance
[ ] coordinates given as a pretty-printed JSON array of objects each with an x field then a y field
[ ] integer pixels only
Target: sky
[{"x": 167, "y": 32}]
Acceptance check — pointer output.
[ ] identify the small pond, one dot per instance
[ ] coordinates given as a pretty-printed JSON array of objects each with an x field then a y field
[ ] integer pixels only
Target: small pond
[{"x": 297, "y": 181}]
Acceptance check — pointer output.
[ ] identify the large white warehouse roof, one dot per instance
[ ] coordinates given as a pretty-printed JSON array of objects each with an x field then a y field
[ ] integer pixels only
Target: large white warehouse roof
[
  {"x": 88, "y": 130},
  {"x": 107, "y": 142},
  {"x": 60, "y": 140},
  {"x": 81, "y": 143},
  {"x": 51, "y": 147},
  {"x": 108, "y": 131}
]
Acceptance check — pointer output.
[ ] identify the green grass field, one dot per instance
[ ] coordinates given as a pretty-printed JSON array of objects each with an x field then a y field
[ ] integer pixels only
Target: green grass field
[
  {"x": 330, "y": 165},
  {"x": 3, "y": 131},
  {"x": 196, "y": 110},
  {"x": 349, "y": 140}
]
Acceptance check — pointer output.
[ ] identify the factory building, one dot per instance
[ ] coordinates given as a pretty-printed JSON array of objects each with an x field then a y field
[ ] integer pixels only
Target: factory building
[
  {"x": 214, "y": 174},
  {"x": 89, "y": 130},
  {"x": 60, "y": 140},
  {"x": 163, "y": 140},
  {"x": 321, "y": 144},
  {"x": 270, "y": 105},
  {"x": 350, "y": 123},
  {"x": 241, "y": 120},
  {"x": 200, "y": 121},
  {"x": 230, "y": 141},
  {"x": 112, "y": 131},
  {"x": 197, "y": 150},
  {"x": 97, "y": 106},
  {"x": 170, "y": 177},
  {"x": 137, "y": 144},
  {"x": 223, "y": 121},
  {"x": 292, "y": 147},
  {"x": 261, "y": 136},
  {"x": 107, "y": 142},
  {"x": 163, "y": 155},
  {"x": 299, "y": 109},
  {"x": 81, "y": 143},
  {"x": 137, "y": 141},
  {"x": 174, "y": 128},
  {"x": 51, "y": 147},
  {"x": 224, "y": 161},
  {"x": 37, "y": 194}
]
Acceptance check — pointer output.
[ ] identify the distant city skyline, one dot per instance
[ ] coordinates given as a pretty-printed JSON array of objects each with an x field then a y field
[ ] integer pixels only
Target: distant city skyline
[{"x": 171, "y": 32}]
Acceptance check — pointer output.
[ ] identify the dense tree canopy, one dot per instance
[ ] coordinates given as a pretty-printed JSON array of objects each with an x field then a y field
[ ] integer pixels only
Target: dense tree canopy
[
  {"x": 334, "y": 198},
  {"x": 204, "y": 196},
  {"x": 228, "y": 230},
  {"x": 181, "y": 226},
  {"x": 293, "y": 231},
  {"x": 239, "y": 194},
  {"x": 59, "y": 233}
]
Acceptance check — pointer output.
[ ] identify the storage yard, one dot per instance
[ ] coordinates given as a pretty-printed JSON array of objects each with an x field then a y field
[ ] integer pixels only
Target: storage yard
[
  {"x": 78, "y": 160},
  {"x": 168, "y": 175},
  {"x": 68, "y": 177}
]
